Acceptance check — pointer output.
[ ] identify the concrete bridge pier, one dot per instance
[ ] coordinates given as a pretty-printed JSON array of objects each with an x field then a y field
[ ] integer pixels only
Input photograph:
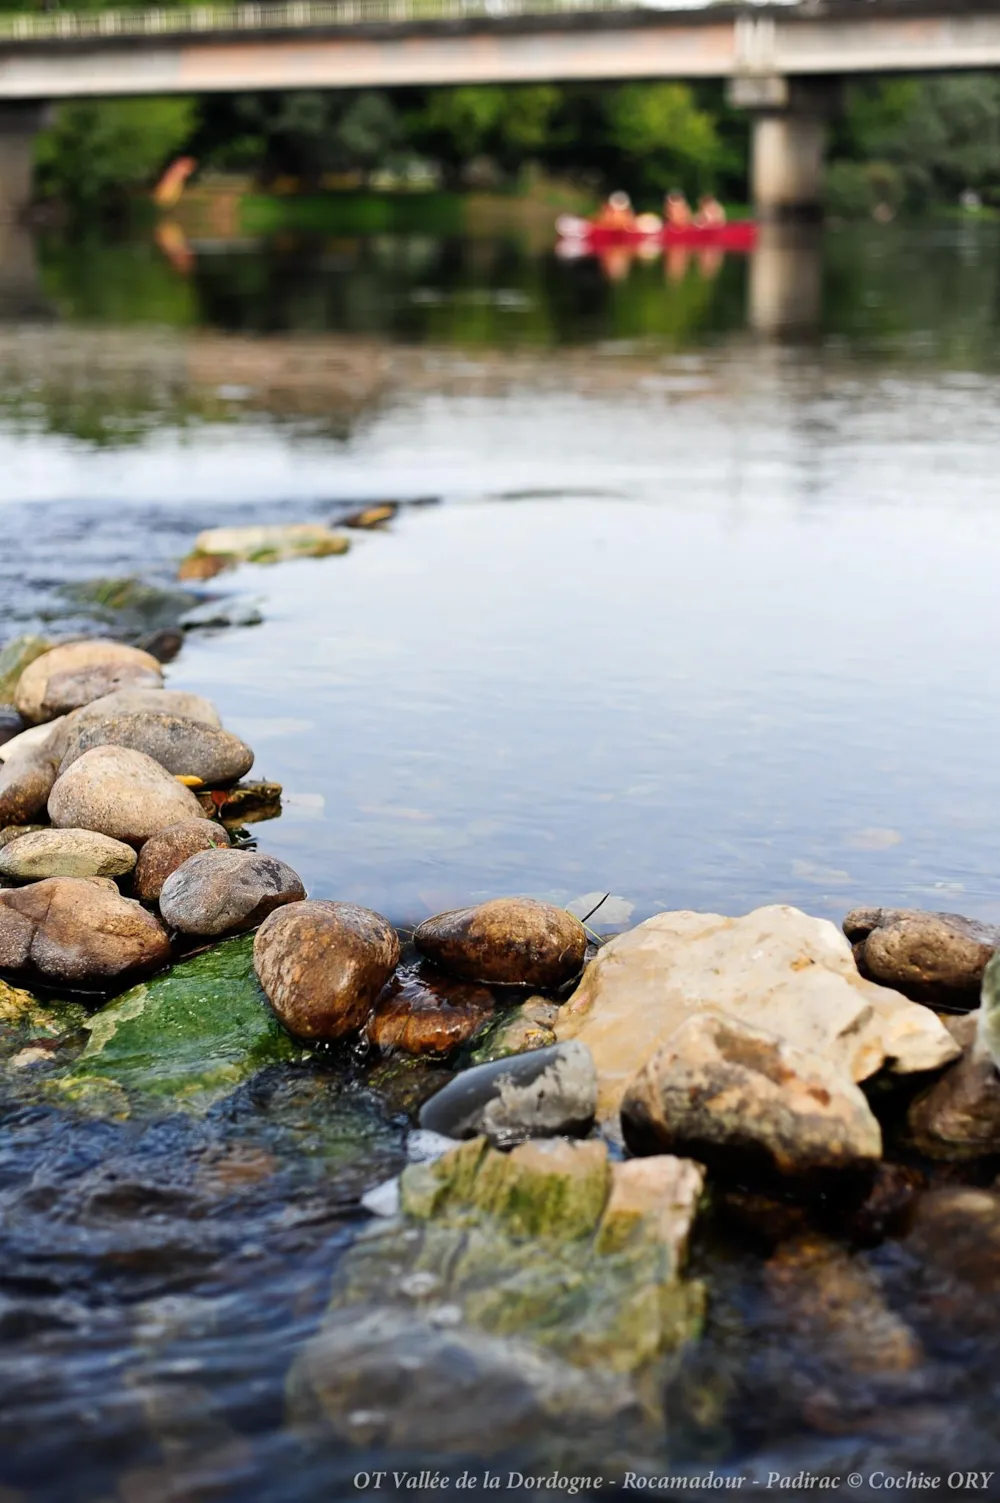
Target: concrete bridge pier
[
  {"x": 789, "y": 130},
  {"x": 20, "y": 293}
]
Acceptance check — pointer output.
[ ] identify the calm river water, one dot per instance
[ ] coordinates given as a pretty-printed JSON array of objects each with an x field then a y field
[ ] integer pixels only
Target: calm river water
[{"x": 696, "y": 610}]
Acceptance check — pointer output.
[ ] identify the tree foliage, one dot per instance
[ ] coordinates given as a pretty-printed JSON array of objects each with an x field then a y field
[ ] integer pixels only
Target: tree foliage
[{"x": 96, "y": 148}]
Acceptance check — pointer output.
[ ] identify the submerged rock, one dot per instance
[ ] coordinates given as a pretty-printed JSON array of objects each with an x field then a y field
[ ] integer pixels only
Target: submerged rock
[
  {"x": 15, "y": 657},
  {"x": 530, "y": 1026},
  {"x": 265, "y": 545},
  {"x": 323, "y": 965},
  {"x": 938, "y": 958},
  {"x": 955, "y": 1241},
  {"x": 733, "y": 1096},
  {"x": 427, "y": 1012},
  {"x": 67, "y": 677},
  {"x": 65, "y": 853},
  {"x": 370, "y": 516},
  {"x": 25, "y": 784},
  {"x": 223, "y": 613},
  {"x": 223, "y": 891},
  {"x": 506, "y": 942},
  {"x": 548, "y": 1093},
  {"x": 246, "y": 804},
  {"x": 189, "y": 1037},
  {"x": 165, "y": 851},
  {"x": 11, "y": 723},
  {"x": 958, "y": 1116},
  {"x": 79, "y": 932},
  {"x": 121, "y": 793},
  {"x": 183, "y": 747},
  {"x": 542, "y": 1286},
  {"x": 129, "y": 603},
  {"x": 776, "y": 969}
]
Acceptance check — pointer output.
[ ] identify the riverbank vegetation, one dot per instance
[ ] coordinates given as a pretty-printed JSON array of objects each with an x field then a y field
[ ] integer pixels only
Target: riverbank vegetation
[{"x": 900, "y": 146}]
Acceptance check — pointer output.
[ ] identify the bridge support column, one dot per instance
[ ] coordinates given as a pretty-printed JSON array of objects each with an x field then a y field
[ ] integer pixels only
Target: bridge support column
[
  {"x": 19, "y": 123},
  {"x": 788, "y": 145}
]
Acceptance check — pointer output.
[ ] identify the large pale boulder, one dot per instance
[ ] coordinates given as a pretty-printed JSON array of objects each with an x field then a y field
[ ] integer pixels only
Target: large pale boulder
[
  {"x": 79, "y": 672},
  {"x": 776, "y": 968},
  {"x": 121, "y": 793}
]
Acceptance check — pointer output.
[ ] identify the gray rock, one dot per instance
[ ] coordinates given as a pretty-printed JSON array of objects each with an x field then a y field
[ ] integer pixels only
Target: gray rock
[
  {"x": 223, "y": 613},
  {"x": 77, "y": 673},
  {"x": 937, "y": 958},
  {"x": 184, "y": 747},
  {"x": 548, "y": 1093},
  {"x": 226, "y": 891},
  {"x": 156, "y": 701},
  {"x": 121, "y": 793},
  {"x": 65, "y": 853},
  {"x": 164, "y": 852},
  {"x": 78, "y": 931},
  {"x": 739, "y": 1099},
  {"x": 11, "y": 724}
]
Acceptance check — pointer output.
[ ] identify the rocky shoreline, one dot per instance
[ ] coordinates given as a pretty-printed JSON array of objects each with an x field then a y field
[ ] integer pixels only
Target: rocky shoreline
[{"x": 578, "y": 1109}]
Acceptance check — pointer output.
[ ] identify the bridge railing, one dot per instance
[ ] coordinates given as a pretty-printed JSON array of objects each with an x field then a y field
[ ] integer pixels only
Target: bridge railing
[{"x": 297, "y": 15}]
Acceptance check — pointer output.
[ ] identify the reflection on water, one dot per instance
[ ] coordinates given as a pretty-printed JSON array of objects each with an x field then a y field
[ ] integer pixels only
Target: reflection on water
[{"x": 701, "y": 618}]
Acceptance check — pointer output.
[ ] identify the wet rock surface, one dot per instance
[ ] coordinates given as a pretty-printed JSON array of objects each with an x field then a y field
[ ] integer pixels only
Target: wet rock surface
[
  {"x": 65, "y": 853},
  {"x": 165, "y": 851},
  {"x": 958, "y": 1116},
  {"x": 425, "y": 1011},
  {"x": 219, "y": 892},
  {"x": 545, "y": 1282},
  {"x": 506, "y": 942},
  {"x": 776, "y": 969},
  {"x": 121, "y": 793},
  {"x": 67, "y": 677},
  {"x": 740, "y": 1099},
  {"x": 25, "y": 784},
  {"x": 548, "y": 1093},
  {"x": 79, "y": 932},
  {"x": 323, "y": 966},
  {"x": 937, "y": 958},
  {"x": 184, "y": 747}
]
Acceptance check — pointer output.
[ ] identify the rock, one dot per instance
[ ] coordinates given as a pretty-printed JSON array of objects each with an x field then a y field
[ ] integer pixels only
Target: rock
[
  {"x": 549, "y": 1093},
  {"x": 424, "y": 1011},
  {"x": 323, "y": 965},
  {"x": 14, "y": 832},
  {"x": 149, "y": 701},
  {"x": 34, "y": 740},
  {"x": 130, "y": 604},
  {"x": 26, "y": 782},
  {"x": 15, "y": 657},
  {"x": 188, "y": 1037},
  {"x": 776, "y": 969},
  {"x": 183, "y": 747},
  {"x": 506, "y": 942},
  {"x": 370, "y": 516},
  {"x": 27, "y": 1023},
  {"x": 246, "y": 804},
  {"x": 121, "y": 793},
  {"x": 164, "y": 852},
  {"x": 937, "y": 958},
  {"x": 988, "y": 1017},
  {"x": 65, "y": 853},
  {"x": 205, "y": 565},
  {"x": 835, "y": 1305},
  {"x": 76, "y": 932},
  {"x": 222, "y": 613},
  {"x": 544, "y": 1284},
  {"x": 267, "y": 545},
  {"x": 738, "y": 1098},
  {"x": 955, "y": 1240},
  {"x": 77, "y": 673},
  {"x": 958, "y": 1117},
  {"x": 163, "y": 645},
  {"x": 225, "y": 891},
  {"x": 11, "y": 724},
  {"x": 530, "y": 1026}
]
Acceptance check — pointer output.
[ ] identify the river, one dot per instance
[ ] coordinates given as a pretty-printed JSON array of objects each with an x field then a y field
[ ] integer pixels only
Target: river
[{"x": 686, "y": 600}]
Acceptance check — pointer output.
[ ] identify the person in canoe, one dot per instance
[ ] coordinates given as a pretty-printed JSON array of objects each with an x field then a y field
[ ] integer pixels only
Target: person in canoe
[
  {"x": 676, "y": 211},
  {"x": 616, "y": 214},
  {"x": 711, "y": 215}
]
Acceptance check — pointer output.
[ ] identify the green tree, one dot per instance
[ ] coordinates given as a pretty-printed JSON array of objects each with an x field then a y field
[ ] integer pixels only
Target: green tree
[
  {"x": 663, "y": 137},
  {"x": 96, "y": 149}
]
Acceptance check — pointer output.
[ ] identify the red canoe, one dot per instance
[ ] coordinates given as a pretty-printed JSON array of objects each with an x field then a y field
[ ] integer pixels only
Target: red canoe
[{"x": 740, "y": 235}]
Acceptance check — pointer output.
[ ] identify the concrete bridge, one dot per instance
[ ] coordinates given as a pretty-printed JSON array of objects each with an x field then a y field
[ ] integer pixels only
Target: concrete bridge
[{"x": 782, "y": 60}]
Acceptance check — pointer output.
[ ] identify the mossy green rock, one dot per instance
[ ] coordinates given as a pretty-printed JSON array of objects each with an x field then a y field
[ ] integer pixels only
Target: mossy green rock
[
  {"x": 546, "y": 1282},
  {"x": 190, "y": 1036},
  {"x": 14, "y": 658},
  {"x": 27, "y": 1022}
]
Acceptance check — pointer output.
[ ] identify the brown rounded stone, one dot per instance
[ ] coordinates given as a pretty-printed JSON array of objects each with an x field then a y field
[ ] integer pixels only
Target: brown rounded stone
[
  {"x": 121, "y": 793},
  {"x": 226, "y": 891},
  {"x": 164, "y": 852},
  {"x": 77, "y": 672},
  {"x": 425, "y": 1012},
  {"x": 506, "y": 942},
  {"x": 937, "y": 958},
  {"x": 25, "y": 784},
  {"x": 78, "y": 931},
  {"x": 323, "y": 965}
]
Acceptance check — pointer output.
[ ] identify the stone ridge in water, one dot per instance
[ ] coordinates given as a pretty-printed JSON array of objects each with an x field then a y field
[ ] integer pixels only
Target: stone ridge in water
[
  {"x": 543, "y": 1284},
  {"x": 188, "y": 1037}
]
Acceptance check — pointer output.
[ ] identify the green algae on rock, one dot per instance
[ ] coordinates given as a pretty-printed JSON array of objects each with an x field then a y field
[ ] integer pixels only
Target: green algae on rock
[
  {"x": 190, "y": 1036},
  {"x": 549, "y": 1270},
  {"x": 27, "y": 1022}
]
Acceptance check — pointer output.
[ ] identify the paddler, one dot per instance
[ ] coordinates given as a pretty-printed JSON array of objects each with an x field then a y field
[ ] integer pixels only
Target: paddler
[
  {"x": 676, "y": 210},
  {"x": 617, "y": 213},
  {"x": 711, "y": 215}
]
